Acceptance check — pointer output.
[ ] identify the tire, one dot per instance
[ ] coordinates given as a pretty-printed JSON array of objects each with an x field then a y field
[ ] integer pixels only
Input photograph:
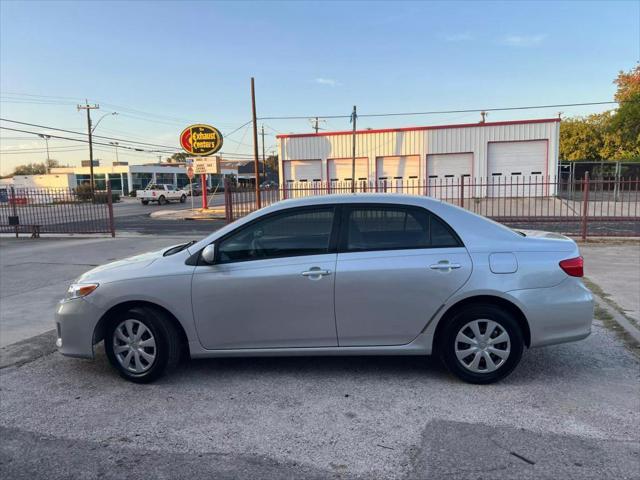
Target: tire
[
  {"x": 159, "y": 340},
  {"x": 145, "y": 202},
  {"x": 183, "y": 198},
  {"x": 162, "y": 200},
  {"x": 486, "y": 353}
]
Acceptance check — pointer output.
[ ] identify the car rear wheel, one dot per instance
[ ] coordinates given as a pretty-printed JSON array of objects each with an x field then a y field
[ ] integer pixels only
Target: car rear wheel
[
  {"x": 142, "y": 344},
  {"x": 145, "y": 202},
  {"x": 183, "y": 198},
  {"x": 481, "y": 344}
]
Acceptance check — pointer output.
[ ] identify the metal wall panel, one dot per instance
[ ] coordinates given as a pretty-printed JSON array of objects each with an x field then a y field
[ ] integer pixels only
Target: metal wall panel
[{"x": 430, "y": 140}]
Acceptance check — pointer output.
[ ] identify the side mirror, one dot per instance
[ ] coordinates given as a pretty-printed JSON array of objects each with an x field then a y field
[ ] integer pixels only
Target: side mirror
[{"x": 209, "y": 254}]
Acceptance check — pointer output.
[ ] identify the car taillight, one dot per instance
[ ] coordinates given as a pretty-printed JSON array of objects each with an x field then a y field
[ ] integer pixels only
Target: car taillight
[{"x": 573, "y": 266}]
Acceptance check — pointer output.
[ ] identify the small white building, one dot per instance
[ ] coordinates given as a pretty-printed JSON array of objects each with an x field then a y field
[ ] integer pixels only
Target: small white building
[{"x": 511, "y": 149}]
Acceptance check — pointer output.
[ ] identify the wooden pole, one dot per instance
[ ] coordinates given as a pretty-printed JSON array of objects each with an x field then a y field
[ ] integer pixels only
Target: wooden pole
[
  {"x": 354, "y": 116},
  {"x": 256, "y": 162}
]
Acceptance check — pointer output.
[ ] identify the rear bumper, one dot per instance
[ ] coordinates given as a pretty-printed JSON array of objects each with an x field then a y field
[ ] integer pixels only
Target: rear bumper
[
  {"x": 75, "y": 323},
  {"x": 560, "y": 314}
]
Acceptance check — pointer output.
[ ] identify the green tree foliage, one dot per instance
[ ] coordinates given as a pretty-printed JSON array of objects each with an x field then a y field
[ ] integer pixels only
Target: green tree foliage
[
  {"x": 612, "y": 135},
  {"x": 35, "y": 168}
]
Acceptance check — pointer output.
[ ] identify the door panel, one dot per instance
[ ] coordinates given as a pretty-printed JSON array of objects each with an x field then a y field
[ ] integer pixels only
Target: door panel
[
  {"x": 266, "y": 303},
  {"x": 387, "y": 297}
]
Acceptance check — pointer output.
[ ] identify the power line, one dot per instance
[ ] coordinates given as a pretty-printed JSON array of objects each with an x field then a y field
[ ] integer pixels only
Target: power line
[{"x": 438, "y": 112}]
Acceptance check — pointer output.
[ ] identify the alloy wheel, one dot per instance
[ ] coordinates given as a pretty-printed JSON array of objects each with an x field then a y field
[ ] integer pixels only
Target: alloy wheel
[
  {"x": 482, "y": 346},
  {"x": 134, "y": 346}
]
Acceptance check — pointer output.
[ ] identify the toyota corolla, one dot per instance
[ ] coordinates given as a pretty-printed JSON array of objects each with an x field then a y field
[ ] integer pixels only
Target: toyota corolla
[{"x": 366, "y": 274}]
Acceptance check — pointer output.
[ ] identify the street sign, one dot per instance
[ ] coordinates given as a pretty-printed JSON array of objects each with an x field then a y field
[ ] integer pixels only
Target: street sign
[
  {"x": 201, "y": 140},
  {"x": 190, "y": 172},
  {"x": 202, "y": 165}
]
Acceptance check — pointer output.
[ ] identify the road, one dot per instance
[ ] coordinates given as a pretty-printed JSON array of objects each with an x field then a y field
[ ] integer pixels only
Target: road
[{"x": 130, "y": 216}]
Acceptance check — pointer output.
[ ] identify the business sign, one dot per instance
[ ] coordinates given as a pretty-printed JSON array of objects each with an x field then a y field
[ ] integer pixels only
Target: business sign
[
  {"x": 201, "y": 140},
  {"x": 202, "y": 165},
  {"x": 190, "y": 172}
]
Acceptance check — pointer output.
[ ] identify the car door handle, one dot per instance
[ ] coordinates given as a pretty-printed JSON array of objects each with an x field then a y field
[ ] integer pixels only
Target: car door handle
[
  {"x": 445, "y": 266},
  {"x": 316, "y": 272}
]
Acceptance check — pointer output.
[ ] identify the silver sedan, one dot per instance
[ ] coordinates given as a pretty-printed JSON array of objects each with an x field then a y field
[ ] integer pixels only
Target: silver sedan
[{"x": 336, "y": 275}]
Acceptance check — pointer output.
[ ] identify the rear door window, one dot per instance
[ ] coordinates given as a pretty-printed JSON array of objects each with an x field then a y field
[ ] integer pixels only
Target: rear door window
[{"x": 369, "y": 228}]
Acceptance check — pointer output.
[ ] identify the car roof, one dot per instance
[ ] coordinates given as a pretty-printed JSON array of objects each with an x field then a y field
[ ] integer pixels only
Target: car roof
[{"x": 391, "y": 198}]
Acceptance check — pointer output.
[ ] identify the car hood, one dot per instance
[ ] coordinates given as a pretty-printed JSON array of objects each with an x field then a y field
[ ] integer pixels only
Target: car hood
[{"x": 121, "y": 268}]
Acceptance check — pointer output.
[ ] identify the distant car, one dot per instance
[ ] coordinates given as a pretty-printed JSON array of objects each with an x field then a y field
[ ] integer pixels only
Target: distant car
[
  {"x": 366, "y": 274},
  {"x": 197, "y": 191},
  {"x": 269, "y": 184},
  {"x": 162, "y": 193}
]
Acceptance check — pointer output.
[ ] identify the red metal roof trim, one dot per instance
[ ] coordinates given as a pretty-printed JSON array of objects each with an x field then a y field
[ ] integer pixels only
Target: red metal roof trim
[{"x": 413, "y": 129}]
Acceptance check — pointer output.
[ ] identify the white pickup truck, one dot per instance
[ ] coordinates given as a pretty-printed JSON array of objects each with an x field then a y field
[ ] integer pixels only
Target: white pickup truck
[{"x": 161, "y": 193}]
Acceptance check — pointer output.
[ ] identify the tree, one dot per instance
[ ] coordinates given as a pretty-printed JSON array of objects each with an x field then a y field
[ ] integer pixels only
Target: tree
[
  {"x": 612, "y": 135},
  {"x": 179, "y": 157},
  {"x": 31, "y": 169}
]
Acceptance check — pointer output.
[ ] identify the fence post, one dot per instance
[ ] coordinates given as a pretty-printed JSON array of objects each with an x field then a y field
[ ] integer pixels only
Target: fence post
[
  {"x": 585, "y": 204},
  {"x": 462, "y": 191},
  {"x": 112, "y": 227},
  {"x": 14, "y": 209},
  {"x": 228, "y": 205}
]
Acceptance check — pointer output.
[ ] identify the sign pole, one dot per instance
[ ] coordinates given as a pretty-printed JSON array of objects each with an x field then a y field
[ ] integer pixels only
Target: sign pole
[
  {"x": 203, "y": 179},
  {"x": 191, "y": 190}
]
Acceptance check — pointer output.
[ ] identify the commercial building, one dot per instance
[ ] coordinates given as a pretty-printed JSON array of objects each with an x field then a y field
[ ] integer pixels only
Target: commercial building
[
  {"x": 512, "y": 149},
  {"x": 122, "y": 177}
]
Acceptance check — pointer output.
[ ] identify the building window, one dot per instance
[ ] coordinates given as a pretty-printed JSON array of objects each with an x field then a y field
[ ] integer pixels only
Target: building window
[
  {"x": 164, "y": 178},
  {"x": 139, "y": 180}
]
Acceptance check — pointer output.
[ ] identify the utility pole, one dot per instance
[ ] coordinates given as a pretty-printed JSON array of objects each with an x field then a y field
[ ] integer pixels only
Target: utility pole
[
  {"x": 46, "y": 141},
  {"x": 484, "y": 116},
  {"x": 354, "y": 116},
  {"x": 88, "y": 108},
  {"x": 316, "y": 125},
  {"x": 256, "y": 162},
  {"x": 264, "y": 163}
]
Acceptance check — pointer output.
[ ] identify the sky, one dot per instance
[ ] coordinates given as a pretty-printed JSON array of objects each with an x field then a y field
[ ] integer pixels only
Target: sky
[{"x": 164, "y": 65}]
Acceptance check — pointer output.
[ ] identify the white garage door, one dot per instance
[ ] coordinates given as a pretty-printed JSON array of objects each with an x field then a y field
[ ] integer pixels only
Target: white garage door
[
  {"x": 444, "y": 172},
  {"x": 399, "y": 173},
  {"x": 340, "y": 169},
  {"x": 514, "y": 166},
  {"x": 303, "y": 170}
]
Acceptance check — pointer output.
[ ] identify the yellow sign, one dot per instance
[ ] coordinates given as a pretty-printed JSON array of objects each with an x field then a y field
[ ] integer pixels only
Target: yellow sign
[{"x": 202, "y": 140}]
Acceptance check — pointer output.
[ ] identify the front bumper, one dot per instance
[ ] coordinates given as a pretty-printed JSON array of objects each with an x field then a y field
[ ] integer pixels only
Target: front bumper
[
  {"x": 558, "y": 314},
  {"x": 75, "y": 323}
]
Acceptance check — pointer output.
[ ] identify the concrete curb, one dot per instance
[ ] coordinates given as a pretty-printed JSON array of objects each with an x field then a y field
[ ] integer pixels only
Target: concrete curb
[{"x": 618, "y": 317}]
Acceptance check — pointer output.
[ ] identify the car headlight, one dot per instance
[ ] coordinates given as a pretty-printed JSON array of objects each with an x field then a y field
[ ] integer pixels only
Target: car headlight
[{"x": 79, "y": 290}]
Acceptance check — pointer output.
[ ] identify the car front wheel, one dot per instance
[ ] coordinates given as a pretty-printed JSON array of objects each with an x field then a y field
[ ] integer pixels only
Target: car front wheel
[
  {"x": 183, "y": 198},
  {"x": 141, "y": 344},
  {"x": 481, "y": 344},
  {"x": 162, "y": 200}
]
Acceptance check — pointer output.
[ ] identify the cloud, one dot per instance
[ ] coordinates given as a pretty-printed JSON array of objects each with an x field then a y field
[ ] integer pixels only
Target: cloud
[
  {"x": 523, "y": 40},
  {"x": 457, "y": 37},
  {"x": 328, "y": 81}
]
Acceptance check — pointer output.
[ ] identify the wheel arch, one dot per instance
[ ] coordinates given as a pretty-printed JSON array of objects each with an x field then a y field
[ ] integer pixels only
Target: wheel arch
[
  {"x": 485, "y": 300},
  {"x": 109, "y": 315}
]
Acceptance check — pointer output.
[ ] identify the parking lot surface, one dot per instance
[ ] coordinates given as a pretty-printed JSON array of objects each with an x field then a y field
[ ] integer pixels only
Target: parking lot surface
[{"x": 569, "y": 409}]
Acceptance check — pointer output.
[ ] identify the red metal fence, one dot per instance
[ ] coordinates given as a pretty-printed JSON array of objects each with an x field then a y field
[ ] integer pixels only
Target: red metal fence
[
  {"x": 584, "y": 207},
  {"x": 55, "y": 210}
]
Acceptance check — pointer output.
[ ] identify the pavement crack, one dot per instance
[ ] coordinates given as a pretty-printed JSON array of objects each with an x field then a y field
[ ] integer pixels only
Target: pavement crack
[{"x": 524, "y": 459}]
